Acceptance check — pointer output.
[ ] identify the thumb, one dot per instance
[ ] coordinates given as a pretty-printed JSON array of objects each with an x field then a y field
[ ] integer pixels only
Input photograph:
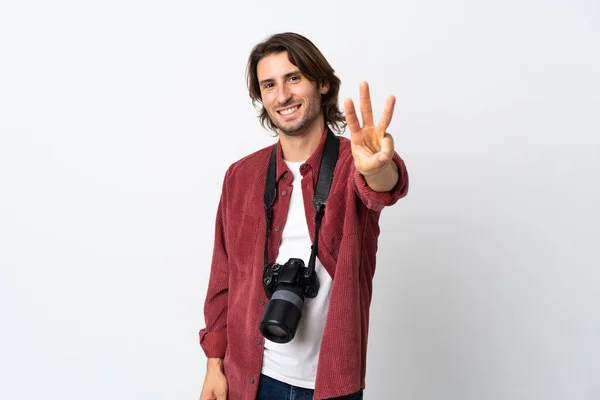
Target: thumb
[{"x": 387, "y": 146}]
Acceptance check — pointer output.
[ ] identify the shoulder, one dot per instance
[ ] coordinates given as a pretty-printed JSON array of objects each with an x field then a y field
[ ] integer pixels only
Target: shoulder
[
  {"x": 249, "y": 166},
  {"x": 345, "y": 153},
  {"x": 345, "y": 149}
]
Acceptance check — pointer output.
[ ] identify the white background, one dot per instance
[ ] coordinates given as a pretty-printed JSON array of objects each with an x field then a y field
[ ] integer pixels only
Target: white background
[{"x": 118, "y": 120}]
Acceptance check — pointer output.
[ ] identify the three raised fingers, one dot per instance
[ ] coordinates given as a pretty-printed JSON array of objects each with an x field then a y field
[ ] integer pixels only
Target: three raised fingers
[{"x": 367, "y": 110}]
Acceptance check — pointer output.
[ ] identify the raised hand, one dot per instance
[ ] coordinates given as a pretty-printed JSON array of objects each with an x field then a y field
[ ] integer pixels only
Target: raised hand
[{"x": 372, "y": 147}]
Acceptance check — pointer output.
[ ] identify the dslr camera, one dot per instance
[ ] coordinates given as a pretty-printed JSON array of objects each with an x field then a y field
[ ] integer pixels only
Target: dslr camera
[{"x": 286, "y": 286}]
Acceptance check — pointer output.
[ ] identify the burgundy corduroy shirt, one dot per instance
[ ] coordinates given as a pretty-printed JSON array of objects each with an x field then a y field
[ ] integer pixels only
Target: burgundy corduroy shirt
[{"x": 235, "y": 300}]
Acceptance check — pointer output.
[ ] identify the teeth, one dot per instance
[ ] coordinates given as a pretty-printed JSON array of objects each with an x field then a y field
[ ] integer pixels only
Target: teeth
[{"x": 289, "y": 110}]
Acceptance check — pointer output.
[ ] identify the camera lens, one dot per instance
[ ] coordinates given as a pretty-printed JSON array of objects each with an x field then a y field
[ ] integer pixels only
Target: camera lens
[
  {"x": 282, "y": 314},
  {"x": 276, "y": 331}
]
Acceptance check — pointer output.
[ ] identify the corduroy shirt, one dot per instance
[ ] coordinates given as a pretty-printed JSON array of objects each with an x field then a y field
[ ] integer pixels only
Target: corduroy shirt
[{"x": 235, "y": 300}]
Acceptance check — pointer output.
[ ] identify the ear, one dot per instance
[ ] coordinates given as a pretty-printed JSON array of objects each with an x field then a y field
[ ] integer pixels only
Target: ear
[{"x": 324, "y": 87}]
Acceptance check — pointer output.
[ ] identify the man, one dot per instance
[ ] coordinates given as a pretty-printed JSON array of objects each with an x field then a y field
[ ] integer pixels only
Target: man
[{"x": 298, "y": 91}]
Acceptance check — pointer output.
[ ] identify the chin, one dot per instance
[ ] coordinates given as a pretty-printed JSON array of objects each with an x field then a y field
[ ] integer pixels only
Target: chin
[
  {"x": 293, "y": 130},
  {"x": 291, "y": 133}
]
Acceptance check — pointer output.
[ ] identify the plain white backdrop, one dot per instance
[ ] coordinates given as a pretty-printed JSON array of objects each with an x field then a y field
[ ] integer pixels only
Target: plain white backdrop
[{"x": 118, "y": 120}]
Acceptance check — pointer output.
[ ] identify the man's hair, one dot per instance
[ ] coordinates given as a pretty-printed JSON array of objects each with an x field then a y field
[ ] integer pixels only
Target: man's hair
[{"x": 311, "y": 63}]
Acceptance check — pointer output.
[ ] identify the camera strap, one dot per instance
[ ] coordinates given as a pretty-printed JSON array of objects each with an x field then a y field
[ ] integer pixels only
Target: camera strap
[{"x": 326, "y": 168}]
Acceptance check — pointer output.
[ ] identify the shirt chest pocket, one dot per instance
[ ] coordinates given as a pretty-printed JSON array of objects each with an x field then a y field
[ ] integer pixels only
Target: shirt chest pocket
[{"x": 243, "y": 241}]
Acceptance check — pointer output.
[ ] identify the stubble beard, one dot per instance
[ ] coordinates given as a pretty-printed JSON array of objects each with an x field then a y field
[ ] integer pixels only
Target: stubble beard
[
  {"x": 298, "y": 128},
  {"x": 294, "y": 129}
]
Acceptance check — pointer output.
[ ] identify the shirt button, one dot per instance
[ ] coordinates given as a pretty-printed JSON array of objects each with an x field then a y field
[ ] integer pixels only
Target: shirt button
[
  {"x": 276, "y": 229},
  {"x": 283, "y": 193},
  {"x": 262, "y": 302},
  {"x": 257, "y": 341},
  {"x": 251, "y": 380}
]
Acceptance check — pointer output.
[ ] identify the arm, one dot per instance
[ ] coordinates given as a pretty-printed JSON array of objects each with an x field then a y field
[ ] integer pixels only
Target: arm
[
  {"x": 213, "y": 338},
  {"x": 380, "y": 178}
]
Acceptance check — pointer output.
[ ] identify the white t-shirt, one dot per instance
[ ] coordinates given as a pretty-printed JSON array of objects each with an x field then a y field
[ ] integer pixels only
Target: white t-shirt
[{"x": 295, "y": 362}]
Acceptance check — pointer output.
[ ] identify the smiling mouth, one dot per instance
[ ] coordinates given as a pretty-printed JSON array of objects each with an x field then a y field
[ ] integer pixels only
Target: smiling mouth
[{"x": 289, "y": 111}]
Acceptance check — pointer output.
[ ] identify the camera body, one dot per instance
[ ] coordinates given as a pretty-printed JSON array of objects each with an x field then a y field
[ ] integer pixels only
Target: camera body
[
  {"x": 286, "y": 286},
  {"x": 292, "y": 273}
]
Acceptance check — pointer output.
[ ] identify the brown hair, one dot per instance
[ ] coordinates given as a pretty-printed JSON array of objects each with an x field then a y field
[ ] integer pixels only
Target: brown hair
[{"x": 311, "y": 63}]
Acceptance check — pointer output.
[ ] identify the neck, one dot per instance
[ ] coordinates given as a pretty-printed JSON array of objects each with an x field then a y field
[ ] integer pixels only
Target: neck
[{"x": 300, "y": 147}]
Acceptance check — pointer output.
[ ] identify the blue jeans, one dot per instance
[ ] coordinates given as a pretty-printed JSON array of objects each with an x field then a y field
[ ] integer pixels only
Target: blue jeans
[{"x": 272, "y": 389}]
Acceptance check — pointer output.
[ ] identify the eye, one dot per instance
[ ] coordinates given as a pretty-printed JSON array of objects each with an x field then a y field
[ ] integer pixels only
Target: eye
[
  {"x": 267, "y": 85},
  {"x": 294, "y": 78}
]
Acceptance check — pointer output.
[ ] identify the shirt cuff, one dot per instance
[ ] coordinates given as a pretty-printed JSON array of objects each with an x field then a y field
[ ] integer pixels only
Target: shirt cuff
[
  {"x": 376, "y": 201},
  {"x": 214, "y": 344}
]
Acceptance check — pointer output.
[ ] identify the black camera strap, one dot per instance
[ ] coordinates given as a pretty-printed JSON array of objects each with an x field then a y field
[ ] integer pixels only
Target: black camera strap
[{"x": 326, "y": 168}]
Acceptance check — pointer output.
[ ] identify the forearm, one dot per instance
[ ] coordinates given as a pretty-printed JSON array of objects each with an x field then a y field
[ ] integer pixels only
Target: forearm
[
  {"x": 214, "y": 364},
  {"x": 384, "y": 180}
]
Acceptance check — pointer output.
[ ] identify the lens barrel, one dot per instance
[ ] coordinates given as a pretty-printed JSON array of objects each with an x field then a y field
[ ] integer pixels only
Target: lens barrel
[{"x": 282, "y": 314}]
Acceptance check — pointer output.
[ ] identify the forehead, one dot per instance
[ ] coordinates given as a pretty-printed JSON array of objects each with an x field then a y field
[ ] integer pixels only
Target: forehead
[{"x": 273, "y": 66}]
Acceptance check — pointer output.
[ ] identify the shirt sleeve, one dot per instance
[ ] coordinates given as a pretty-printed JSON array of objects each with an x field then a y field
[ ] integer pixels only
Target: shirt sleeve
[
  {"x": 376, "y": 201},
  {"x": 213, "y": 338}
]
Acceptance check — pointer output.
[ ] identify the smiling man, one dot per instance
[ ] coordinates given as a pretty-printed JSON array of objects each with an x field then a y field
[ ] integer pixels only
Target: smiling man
[{"x": 287, "y": 306}]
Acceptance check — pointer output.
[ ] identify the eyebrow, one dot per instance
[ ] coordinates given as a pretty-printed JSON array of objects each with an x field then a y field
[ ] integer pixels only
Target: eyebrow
[{"x": 286, "y": 76}]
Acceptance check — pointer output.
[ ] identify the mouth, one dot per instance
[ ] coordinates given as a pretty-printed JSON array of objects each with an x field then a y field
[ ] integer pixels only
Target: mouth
[{"x": 290, "y": 111}]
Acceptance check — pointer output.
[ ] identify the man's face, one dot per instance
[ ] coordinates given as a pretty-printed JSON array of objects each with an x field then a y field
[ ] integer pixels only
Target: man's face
[{"x": 291, "y": 100}]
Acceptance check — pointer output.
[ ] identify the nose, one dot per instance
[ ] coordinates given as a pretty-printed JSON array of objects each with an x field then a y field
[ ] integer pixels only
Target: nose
[{"x": 283, "y": 94}]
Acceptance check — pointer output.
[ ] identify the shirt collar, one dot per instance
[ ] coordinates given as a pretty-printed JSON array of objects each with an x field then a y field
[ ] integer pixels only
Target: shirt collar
[{"x": 313, "y": 162}]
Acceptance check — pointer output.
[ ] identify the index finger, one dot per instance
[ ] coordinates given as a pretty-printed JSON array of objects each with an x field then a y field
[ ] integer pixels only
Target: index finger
[{"x": 351, "y": 118}]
